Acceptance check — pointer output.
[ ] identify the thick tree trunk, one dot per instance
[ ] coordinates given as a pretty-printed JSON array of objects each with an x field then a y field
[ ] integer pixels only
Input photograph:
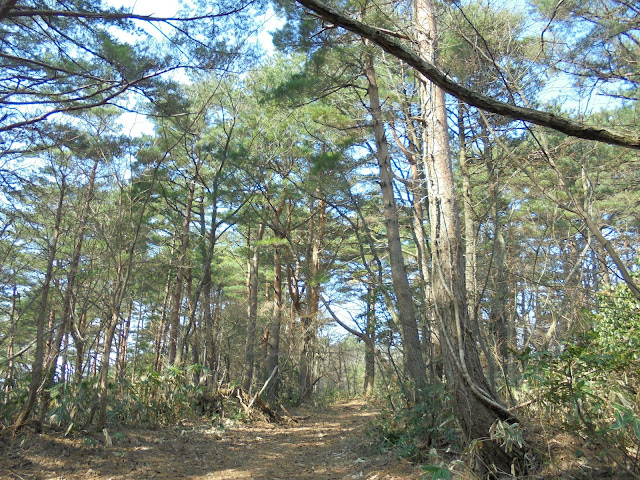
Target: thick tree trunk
[
  {"x": 475, "y": 404},
  {"x": 414, "y": 363}
]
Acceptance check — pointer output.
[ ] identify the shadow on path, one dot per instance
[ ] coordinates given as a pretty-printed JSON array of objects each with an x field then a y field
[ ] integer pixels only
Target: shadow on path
[{"x": 330, "y": 444}]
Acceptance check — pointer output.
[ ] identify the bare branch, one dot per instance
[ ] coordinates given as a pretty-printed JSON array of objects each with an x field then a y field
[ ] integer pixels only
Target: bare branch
[{"x": 33, "y": 12}]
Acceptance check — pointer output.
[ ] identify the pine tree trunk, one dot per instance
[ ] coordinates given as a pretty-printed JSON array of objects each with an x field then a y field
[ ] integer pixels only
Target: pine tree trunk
[
  {"x": 414, "y": 363},
  {"x": 253, "y": 265},
  {"x": 176, "y": 308},
  {"x": 121, "y": 366},
  {"x": 475, "y": 404},
  {"x": 273, "y": 341},
  {"x": 316, "y": 238},
  {"x": 469, "y": 215},
  {"x": 13, "y": 325},
  {"x": 103, "y": 385},
  {"x": 43, "y": 310},
  {"x": 160, "y": 336},
  {"x": 369, "y": 338}
]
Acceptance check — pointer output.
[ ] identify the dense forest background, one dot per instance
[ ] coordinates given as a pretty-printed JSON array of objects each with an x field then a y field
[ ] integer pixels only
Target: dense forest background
[{"x": 323, "y": 222}]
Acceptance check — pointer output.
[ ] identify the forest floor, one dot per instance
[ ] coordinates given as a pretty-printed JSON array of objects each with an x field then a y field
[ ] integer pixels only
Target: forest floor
[{"x": 325, "y": 444}]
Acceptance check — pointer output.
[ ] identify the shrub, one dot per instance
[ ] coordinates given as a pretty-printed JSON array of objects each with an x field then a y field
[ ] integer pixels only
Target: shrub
[
  {"x": 594, "y": 384},
  {"x": 413, "y": 429}
]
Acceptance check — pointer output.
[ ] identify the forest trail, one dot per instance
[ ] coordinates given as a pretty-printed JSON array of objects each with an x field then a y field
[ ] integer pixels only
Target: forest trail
[{"x": 328, "y": 444}]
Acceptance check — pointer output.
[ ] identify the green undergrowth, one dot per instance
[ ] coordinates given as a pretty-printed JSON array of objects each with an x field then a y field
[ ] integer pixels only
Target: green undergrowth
[
  {"x": 590, "y": 389},
  {"x": 417, "y": 431},
  {"x": 153, "y": 399}
]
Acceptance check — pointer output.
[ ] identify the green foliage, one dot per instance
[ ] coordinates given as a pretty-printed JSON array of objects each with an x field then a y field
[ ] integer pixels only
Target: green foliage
[
  {"x": 69, "y": 408},
  {"x": 157, "y": 398},
  {"x": 12, "y": 403},
  {"x": 593, "y": 383},
  {"x": 411, "y": 430},
  {"x": 154, "y": 399},
  {"x": 507, "y": 434},
  {"x": 434, "y": 472}
]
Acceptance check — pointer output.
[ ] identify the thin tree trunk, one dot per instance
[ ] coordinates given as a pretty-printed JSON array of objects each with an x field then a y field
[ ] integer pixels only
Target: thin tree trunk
[
  {"x": 414, "y": 363},
  {"x": 469, "y": 215},
  {"x": 103, "y": 383},
  {"x": 63, "y": 364},
  {"x": 137, "y": 344},
  {"x": 253, "y": 265},
  {"x": 189, "y": 328},
  {"x": 471, "y": 262},
  {"x": 67, "y": 302},
  {"x": 417, "y": 193},
  {"x": 124, "y": 268},
  {"x": 79, "y": 342},
  {"x": 121, "y": 367},
  {"x": 13, "y": 325},
  {"x": 499, "y": 300},
  {"x": 316, "y": 239},
  {"x": 369, "y": 343},
  {"x": 43, "y": 310},
  {"x": 161, "y": 332},
  {"x": 176, "y": 308},
  {"x": 273, "y": 345}
]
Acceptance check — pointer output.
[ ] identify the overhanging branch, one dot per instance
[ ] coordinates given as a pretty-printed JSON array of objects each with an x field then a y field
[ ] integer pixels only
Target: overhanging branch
[{"x": 483, "y": 102}]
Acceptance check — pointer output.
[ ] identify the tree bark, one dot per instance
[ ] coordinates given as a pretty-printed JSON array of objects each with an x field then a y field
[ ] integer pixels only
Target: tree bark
[
  {"x": 414, "y": 363},
  {"x": 176, "y": 308},
  {"x": 499, "y": 300},
  {"x": 121, "y": 364},
  {"x": 469, "y": 215},
  {"x": 273, "y": 340},
  {"x": 162, "y": 326},
  {"x": 316, "y": 239},
  {"x": 13, "y": 325},
  {"x": 369, "y": 342},
  {"x": 103, "y": 385},
  {"x": 252, "y": 308},
  {"x": 43, "y": 310},
  {"x": 475, "y": 404}
]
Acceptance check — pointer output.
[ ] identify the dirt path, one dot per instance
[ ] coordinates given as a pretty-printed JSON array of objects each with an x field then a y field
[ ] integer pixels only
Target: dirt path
[{"x": 327, "y": 445}]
